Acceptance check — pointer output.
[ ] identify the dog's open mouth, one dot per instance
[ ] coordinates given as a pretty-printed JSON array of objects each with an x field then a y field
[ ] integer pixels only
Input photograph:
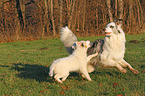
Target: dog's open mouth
[{"x": 107, "y": 33}]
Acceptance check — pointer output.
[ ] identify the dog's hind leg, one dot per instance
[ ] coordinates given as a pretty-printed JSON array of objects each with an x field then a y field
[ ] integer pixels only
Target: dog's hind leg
[
  {"x": 123, "y": 63},
  {"x": 120, "y": 68},
  {"x": 111, "y": 62},
  {"x": 57, "y": 78},
  {"x": 64, "y": 78},
  {"x": 90, "y": 68}
]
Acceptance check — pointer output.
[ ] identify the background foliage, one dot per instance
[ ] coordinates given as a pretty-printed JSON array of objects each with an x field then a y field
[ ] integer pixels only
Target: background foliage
[{"x": 34, "y": 19}]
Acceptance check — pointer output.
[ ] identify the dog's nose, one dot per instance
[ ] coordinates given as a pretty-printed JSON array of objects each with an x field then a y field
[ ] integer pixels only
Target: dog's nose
[{"x": 104, "y": 29}]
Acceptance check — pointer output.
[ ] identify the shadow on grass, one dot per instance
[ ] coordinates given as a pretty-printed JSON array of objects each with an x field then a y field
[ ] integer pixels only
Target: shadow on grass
[
  {"x": 38, "y": 72},
  {"x": 32, "y": 71}
]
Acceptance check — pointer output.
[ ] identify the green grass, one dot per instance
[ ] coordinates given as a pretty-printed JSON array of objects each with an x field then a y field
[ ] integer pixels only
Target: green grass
[{"x": 24, "y": 70}]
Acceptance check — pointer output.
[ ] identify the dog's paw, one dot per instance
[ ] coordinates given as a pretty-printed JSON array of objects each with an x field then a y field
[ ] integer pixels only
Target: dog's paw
[
  {"x": 83, "y": 76},
  {"x": 90, "y": 80},
  {"x": 135, "y": 71},
  {"x": 123, "y": 71}
]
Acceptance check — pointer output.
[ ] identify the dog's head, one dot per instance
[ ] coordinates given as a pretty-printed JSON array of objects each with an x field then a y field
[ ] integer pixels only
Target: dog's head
[
  {"x": 85, "y": 44},
  {"x": 113, "y": 27}
]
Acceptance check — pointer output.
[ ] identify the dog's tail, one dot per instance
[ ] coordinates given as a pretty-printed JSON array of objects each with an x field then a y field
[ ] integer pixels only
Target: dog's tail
[
  {"x": 51, "y": 69},
  {"x": 68, "y": 38}
]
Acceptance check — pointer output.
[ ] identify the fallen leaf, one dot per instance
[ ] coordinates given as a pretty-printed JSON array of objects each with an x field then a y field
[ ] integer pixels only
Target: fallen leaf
[
  {"x": 46, "y": 65},
  {"x": 67, "y": 88},
  {"x": 119, "y": 95},
  {"x": 63, "y": 87},
  {"x": 61, "y": 92},
  {"x": 100, "y": 84},
  {"x": 3, "y": 73},
  {"x": 115, "y": 84},
  {"x": 22, "y": 50},
  {"x": 41, "y": 91},
  {"x": 45, "y": 89},
  {"x": 83, "y": 79},
  {"x": 144, "y": 71}
]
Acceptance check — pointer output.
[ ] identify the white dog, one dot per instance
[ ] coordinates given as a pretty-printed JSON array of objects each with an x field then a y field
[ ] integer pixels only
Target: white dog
[
  {"x": 111, "y": 49},
  {"x": 114, "y": 47},
  {"x": 77, "y": 61}
]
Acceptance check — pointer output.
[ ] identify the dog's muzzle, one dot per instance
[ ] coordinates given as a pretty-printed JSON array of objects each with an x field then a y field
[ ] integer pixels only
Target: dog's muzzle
[{"x": 107, "y": 33}]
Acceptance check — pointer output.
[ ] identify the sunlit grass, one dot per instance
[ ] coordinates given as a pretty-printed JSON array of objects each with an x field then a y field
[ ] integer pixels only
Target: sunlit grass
[{"x": 24, "y": 70}]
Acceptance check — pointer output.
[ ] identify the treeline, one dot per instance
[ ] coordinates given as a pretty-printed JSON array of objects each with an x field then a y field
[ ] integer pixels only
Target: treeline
[{"x": 34, "y": 19}]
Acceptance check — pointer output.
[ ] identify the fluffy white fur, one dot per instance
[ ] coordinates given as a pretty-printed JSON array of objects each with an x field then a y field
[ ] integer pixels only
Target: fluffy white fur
[
  {"x": 68, "y": 38},
  {"x": 112, "y": 51},
  {"x": 114, "y": 48},
  {"x": 76, "y": 62}
]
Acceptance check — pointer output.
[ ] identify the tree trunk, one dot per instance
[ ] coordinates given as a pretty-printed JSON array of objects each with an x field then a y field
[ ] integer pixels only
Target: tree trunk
[
  {"x": 22, "y": 6},
  {"x": 109, "y": 10},
  {"x": 17, "y": 25},
  {"x": 97, "y": 17},
  {"x": 141, "y": 13},
  {"x": 84, "y": 15},
  {"x": 120, "y": 9},
  {"x": 3, "y": 15},
  {"x": 130, "y": 15},
  {"x": 116, "y": 8},
  {"x": 20, "y": 15},
  {"x": 45, "y": 19},
  {"x": 71, "y": 11},
  {"x": 19, "y": 21},
  {"x": 61, "y": 14},
  {"x": 52, "y": 18}
]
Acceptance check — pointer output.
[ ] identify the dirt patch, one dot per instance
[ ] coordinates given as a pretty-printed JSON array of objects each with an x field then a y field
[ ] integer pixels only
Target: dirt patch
[
  {"x": 44, "y": 48},
  {"x": 133, "y": 41}
]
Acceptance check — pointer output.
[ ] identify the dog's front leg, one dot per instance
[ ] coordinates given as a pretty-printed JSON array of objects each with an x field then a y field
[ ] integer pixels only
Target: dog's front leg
[
  {"x": 91, "y": 56},
  {"x": 85, "y": 73}
]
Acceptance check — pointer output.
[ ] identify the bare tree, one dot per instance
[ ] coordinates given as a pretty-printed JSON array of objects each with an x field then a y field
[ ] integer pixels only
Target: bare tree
[
  {"x": 18, "y": 19},
  {"x": 61, "y": 13},
  {"x": 45, "y": 19},
  {"x": 116, "y": 7},
  {"x": 84, "y": 15},
  {"x": 109, "y": 10},
  {"x": 22, "y": 6},
  {"x": 20, "y": 15},
  {"x": 41, "y": 18},
  {"x": 52, "y": 17},
  {"x": 120, "y": 9},
  {"x": 71, "y": 6}
]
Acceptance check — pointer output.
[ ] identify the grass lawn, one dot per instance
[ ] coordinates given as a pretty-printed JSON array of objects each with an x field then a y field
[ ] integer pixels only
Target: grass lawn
[{"x": 24, "y": 70}]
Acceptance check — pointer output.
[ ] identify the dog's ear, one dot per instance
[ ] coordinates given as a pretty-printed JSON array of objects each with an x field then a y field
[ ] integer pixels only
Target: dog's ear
[
  {"x": 118, "y": 21},
  {"x": 79, "y": 44},
  {"x": 82, "y": 45}
]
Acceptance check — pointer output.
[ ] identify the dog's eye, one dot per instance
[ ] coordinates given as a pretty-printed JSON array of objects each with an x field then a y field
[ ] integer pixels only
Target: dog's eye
[
  {"x": 82, "y": 45},
  {"x": 111, "y": 26}
]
